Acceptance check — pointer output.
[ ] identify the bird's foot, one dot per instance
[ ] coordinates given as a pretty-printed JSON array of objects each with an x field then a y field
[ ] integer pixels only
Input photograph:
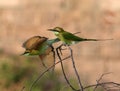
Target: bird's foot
[{"x": 60, "y": 48}]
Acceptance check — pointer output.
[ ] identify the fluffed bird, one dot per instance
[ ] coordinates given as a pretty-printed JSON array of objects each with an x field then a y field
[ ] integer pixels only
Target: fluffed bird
[
  {"x": 68, "y": 38},
  {"x": 38, "y": 45}
]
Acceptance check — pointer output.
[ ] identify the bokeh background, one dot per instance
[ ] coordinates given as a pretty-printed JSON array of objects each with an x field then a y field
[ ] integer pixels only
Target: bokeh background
[{"x": 22, "y": 19}]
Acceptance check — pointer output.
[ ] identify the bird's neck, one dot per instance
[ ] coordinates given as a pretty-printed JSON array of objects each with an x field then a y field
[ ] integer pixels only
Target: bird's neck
[
  {"x": 60, "y": 36},
  {"x": 56, "y": 33}
]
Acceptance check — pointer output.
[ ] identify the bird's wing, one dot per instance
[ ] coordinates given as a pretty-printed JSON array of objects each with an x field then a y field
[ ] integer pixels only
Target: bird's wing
[
  {"x": 34, "y": 42},
  {"x": 70, "y": 36}
]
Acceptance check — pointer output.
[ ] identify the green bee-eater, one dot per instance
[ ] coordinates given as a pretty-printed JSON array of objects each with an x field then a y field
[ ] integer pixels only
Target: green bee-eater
[
  {"x": 69, "y": 38},
  {"x": 38, "y": 45}
]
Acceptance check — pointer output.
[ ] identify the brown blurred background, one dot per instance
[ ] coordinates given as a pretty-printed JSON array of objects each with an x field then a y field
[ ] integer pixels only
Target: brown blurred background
[{"x": 22, "y": 19}]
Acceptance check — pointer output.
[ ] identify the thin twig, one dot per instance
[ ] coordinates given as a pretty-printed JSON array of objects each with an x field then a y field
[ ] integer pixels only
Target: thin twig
[
  {"x": 53, "y": 57},
  {"x": 42, "y": 61},
  {"x": 103, "y": 76},
  {"x": 113, "y": 86},
  {"x": 45, "y": 72},
  {"x": 103, "y": 83},
  {"x": 57, "y": 51},
  {"x": 73, "y": 62},
  {"x": 100, "y": 80}
]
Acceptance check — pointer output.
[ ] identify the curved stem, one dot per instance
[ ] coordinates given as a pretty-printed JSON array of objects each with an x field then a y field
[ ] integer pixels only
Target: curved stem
[
  {"x": 73, "y": 62},
  {"x": 53, "y": 57},
  {"x": 45, "y": 72},
  {"x": 63, "y": 69}
]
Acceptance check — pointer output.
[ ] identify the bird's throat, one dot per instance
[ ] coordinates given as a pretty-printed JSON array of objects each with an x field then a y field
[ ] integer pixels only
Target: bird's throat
[{"x": 56, "y": 33}]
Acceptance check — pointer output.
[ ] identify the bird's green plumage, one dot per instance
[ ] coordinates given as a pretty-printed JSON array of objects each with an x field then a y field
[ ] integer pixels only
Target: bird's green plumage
[{"x": 69, "y": 38}]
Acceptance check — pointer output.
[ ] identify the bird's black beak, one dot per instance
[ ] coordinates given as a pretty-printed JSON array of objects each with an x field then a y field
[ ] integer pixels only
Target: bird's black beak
[
  {"x": 23, "y": 54},
  {"x": 26, "y": 52},
  {"x": 51, "y": 30}
]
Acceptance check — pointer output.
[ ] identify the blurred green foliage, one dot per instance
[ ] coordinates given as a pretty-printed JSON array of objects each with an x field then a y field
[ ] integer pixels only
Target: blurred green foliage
[
  {"x": 17, "y": 72},
  {"x": 12, "y": 73},
  {"x": 24, "y": 71}
]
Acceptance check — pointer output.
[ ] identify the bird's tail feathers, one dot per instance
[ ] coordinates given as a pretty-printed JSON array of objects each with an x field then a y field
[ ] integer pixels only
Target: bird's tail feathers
[{"x": 96, "y": 39}]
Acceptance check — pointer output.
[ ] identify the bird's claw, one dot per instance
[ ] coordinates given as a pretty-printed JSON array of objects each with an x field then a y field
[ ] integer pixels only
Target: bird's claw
[{"x": 60, "y": 48}]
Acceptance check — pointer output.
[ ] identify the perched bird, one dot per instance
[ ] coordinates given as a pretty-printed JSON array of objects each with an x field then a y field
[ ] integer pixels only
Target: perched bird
[
  {"x": 69, "y": 38},
  {"x": 38, "y": 45}
]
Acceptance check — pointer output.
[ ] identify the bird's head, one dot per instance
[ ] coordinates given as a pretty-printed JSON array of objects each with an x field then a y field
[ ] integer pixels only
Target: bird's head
[
  {"x": 26, "y": 53},
  {"x": 56, "y": 30},
  {"x": 31, "y": 52}
]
